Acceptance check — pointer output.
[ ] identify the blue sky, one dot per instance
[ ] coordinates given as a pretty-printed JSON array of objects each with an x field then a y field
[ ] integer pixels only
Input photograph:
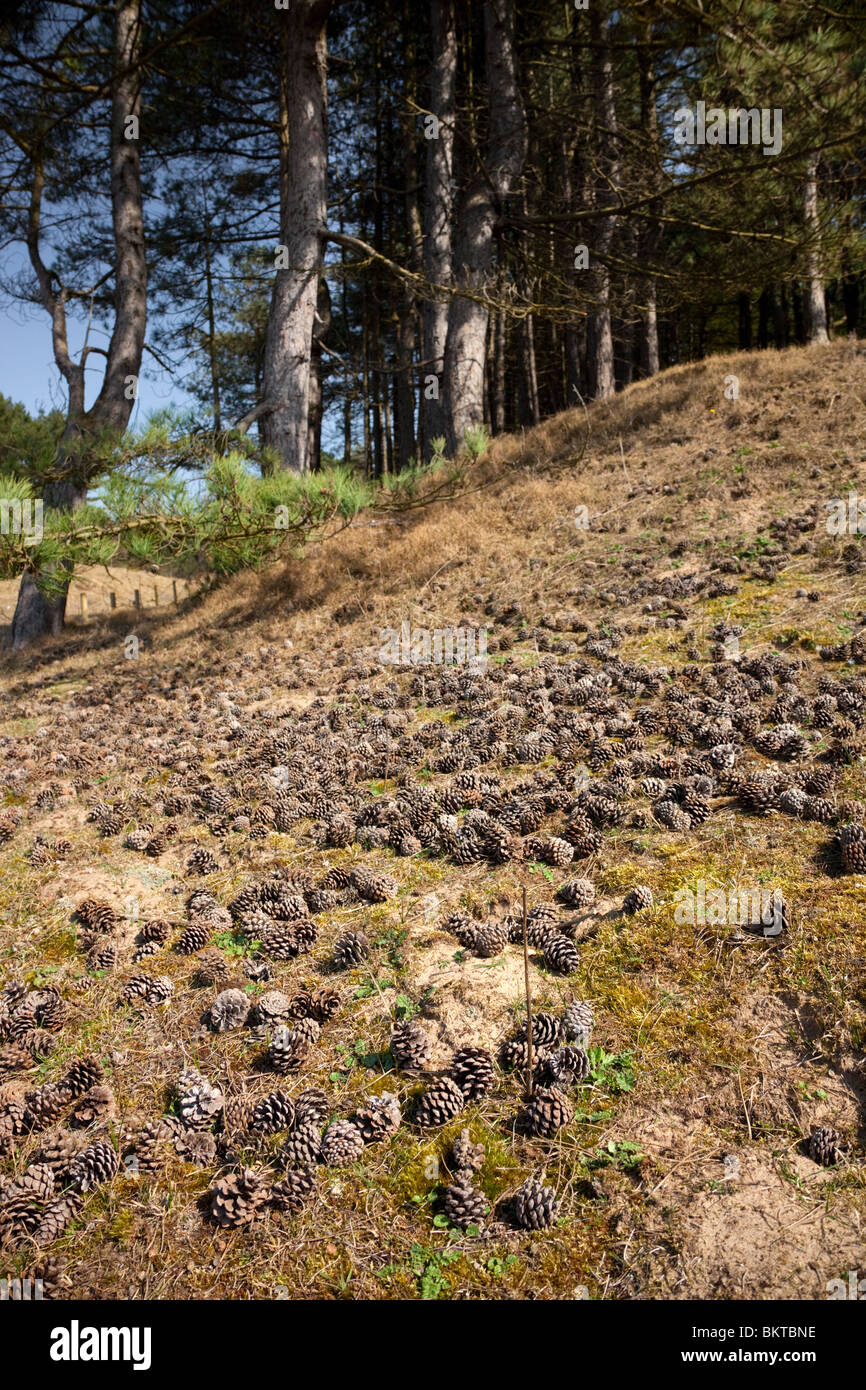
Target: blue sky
[{"x": 28, "y": 373}]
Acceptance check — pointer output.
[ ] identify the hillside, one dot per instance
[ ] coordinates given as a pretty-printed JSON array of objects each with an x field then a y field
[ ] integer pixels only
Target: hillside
[{"x": 673, "y": 700}]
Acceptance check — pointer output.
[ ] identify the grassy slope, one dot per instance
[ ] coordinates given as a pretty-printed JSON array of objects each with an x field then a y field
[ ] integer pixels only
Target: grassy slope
[{"x": 738, "y": 1047}]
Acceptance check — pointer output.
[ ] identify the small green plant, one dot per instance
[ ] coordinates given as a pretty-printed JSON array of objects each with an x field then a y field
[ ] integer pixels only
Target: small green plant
[
  {"x": 614, "y": 1072},
  {"x": 477, "y": 440},
  {"x": 624, "y": 1155}
]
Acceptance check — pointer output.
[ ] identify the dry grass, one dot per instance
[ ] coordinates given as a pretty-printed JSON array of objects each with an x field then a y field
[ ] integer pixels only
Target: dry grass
[{"x": 738, "y": 1045}]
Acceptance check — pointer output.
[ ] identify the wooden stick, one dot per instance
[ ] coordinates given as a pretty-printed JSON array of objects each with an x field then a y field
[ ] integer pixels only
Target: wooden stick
[{"x": 528, "y": 999}]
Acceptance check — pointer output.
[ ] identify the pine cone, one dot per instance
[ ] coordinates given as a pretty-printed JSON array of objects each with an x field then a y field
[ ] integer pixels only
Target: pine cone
[
  {"x": 325, "y": 1003},
  {"x": 465, "y": 1155},
  {"x": 351, "y": 948},
  {"x": 96, "y": 1164},
  {"x": 373, "y": 887},
  {"x": 577, "y": 893},
  {"x": 548, "y": 1111},
  {"x": 464, "y": 1204},
  {"x": 45, "y": 1105},
  {"x": 557, "y": 852},
  {"x": 15, "y": 1058},
  {"x": 229, "y": 1010},
  {"x": 312, "y": 1107},
  {"x": 201, "y": 861},
  {"x": 546, "y": 1030},
  {"x": 84, "y": 1073},
  {"x": 20, "y": 1214},
  {"x": 851, "y": 840},
  {"x": 194, "y": 938},
  {"x": 58, "y": 1152},
  {"x": 561, "y": 954},
  {"x": 295, "y": 1190},
  {"x": 410, "y": 1046},
  {"x": 273, "y": 1113},
  {"x": 535, "y": 1206},
  {"x": 97, "y": 1106},
  {"x": 472, "y": 1069},
  {"x": 212, "y": 967},
  {"x": 289, "y": 1047},
  {"x": 199, "y": 1102},
  {"x": 379, "y": 1118},
  {"x": 271, "y": 1007},
  {"x": 639, "y": 898},
  {"x": 195, "y": 1146},
  {"x": 238, "y": 1198},
  {"x": 578, "y": 1022},
  {"x": 342, "y": 1143},
  {"x": 490, "y": 938},
  {"x": 826, "y": 1147},
  {"x": 442, "y": 1100},
  {"x": 56, "y": 1216},
  {"x": 562, "y": 1068},
  {"x": 302, "y": 1147}
]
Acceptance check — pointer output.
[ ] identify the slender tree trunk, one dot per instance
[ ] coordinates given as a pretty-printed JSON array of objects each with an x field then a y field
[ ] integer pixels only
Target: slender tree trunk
[
  {"x": 744, "y": 320},
  {"x": 474, "y": 243},
  {"x": 438, "y": 213},
  {"x": 320, "y": 332},
  {"x": 499, "y": 370},
  {"x": 764, "y": 307},
  {"x": 816, "y": 307},
  {"x": 291, "y": 320},
  {"x": 650, "y": 239},
  {"x": 39, "y": 614},
  {"x": 600, "y": 331},
  {"x": 529, "y": 370}
]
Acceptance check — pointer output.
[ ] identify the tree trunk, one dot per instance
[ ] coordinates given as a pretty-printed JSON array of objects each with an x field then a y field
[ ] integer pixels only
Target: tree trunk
[
  {"x": 744, "y": 321},
  {"x": 529, "y": 372},
  {"x": 816, "y": 307},
  {"x": 303, "y": 212},
  {"x": 320, "y": 332},
  {"x": 600, "y": 332},
  {"x": 650, "y": 239},
  {"x": 474, "y": 243},
  {"x": 438, "y": 214},
  {"x": 39, "y": 614}
]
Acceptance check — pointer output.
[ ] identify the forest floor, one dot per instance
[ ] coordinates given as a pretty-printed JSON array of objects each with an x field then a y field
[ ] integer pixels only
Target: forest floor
[{"x": 684, "y": 1171}]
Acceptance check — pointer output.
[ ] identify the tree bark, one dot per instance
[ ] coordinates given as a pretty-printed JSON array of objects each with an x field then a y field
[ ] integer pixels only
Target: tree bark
[
  {"x": 438, "y": 215},
  {"x": 600, "y": 332},
  {"x": 474, "y": 242},
  {"x": 39, "y": 614},
  {"x": 744, "y": 321},
  {"x": 816, "y": 307},
  {"x": 303, "y": 212},
  {"x": 651, "y": 237}
]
